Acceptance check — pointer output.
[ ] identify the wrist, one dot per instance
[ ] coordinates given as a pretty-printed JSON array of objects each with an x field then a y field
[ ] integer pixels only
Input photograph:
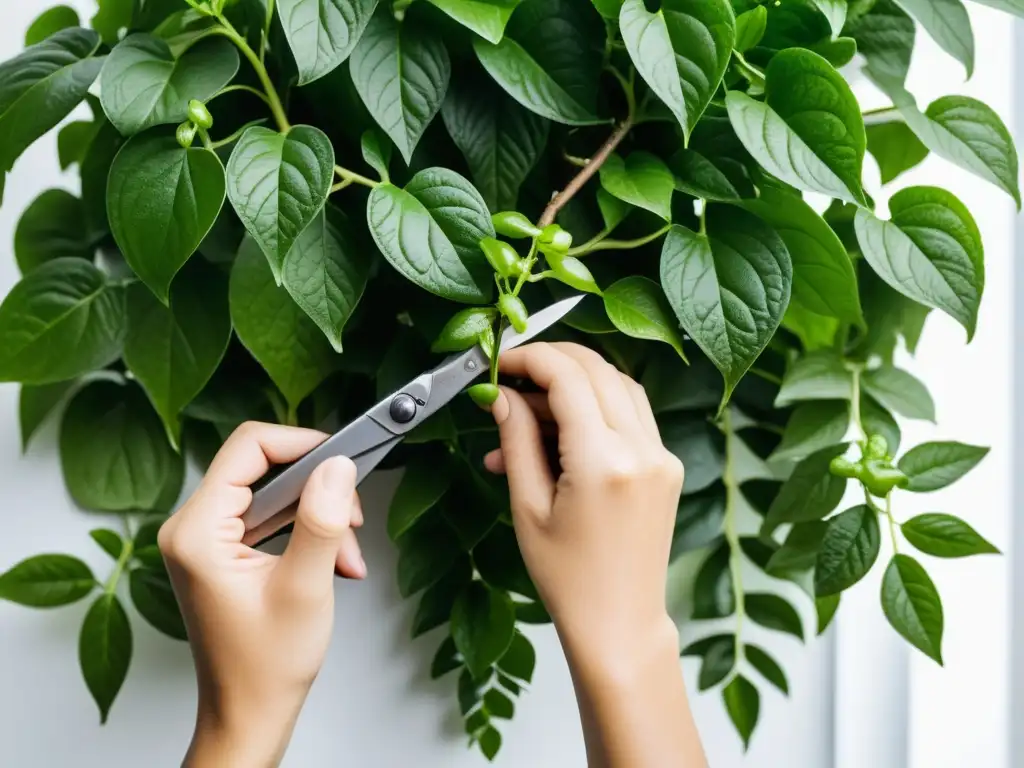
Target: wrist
[
  {"x": 246, "y": 737},
  {"x": 622, "y": 657}
]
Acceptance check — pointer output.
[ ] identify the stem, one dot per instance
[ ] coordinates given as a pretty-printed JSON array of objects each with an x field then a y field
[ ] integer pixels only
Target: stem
[
  {"x": 882, "y": 115},
  {"x": 599, "y": 243},
  {"x": 234, "y": 136},
  {"x": 531, "y": 259},
  {"x": 341, "y": 185},
  {"x": 247, "y": 89},
  {"x": 752, "y": 74},
  {"x": 205, "y": 136},
  {"x": 351, "y": 177},
  {"x": 579, "y": 162},
  {"x": 731, "y": 534},
  {"x": 122, "y": 562},
  {"x": 276, "y": 108},
  {"x": 892, "y": 523},
  {"x": 291, "y": 417},
  {"x": 766, "y": 375},
  {"x": 855, "y": 406},
  {"x": 496, "y": 350}
]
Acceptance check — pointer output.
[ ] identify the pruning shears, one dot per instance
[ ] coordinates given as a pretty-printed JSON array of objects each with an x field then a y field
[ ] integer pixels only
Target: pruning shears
[{"x": 370, "y": 437}]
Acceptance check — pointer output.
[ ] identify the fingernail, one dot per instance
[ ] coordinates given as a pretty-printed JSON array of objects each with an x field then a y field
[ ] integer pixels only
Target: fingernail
[
  {"x": 501, "y": 407},
  {"x": 362, "y": 567}
]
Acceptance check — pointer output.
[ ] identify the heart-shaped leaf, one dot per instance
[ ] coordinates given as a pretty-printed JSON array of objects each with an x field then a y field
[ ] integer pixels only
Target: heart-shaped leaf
[
  {"x": 174, "y": 350},
  {"x": 145, "y": 85},
  {"x": 402, "y": 76},
  {"x": 885, "y": 37},
  {"x": 848, "y": 551},
  {"x": 808, "y": 131},
  {"x": 46, "y": 581},
  {"x": 322, "y": 33},
  {"x": 59, "y": 322},
  {"x": 944, "y": 536},
  {"x": 161, "y": 201},
  {"x": 52, "y": 227},
  {"x": 642, "y": 179},
  {"x": 681, "y": 51},
  {"x": 483, "y": 626},
  {"x": 912, "y": 605},
  {"x": 930, "y": 251},
  {"x": 638, "y": 308},
  {"x": 485, "y": 17},
  {"x": 275, "y": 330},
  {"x": 947, "y": 23},
  {"x": 105, "y": 650},
  {"x": 278, "y": 183},
  {"x": 895, "y": 147},
  {"x": 729, "y": 287},
  {"x": 931, "y": 466}
]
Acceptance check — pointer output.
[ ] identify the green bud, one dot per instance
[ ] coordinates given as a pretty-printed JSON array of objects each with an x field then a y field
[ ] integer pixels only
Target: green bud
[
  {"x": 841, "y": 466},
  {"x": 877, "y": 447},
  {"x": 513, "y": 308},
  {"x": 483, "y": 395},
  {"x": 573, "y": 272},
  {"x": 514, "y": 224},
  {"x": 880, "y": 477},
  {"x": 200, "y": 115},
  {"x": 501, "y": 256},
  {"x": 553, "y": 240},
  {"x": 464, "y": 330},
  {"x": 185, "y": 134}
]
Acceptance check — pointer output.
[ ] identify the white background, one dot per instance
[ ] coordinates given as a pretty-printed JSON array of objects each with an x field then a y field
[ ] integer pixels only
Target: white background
[{"x": 858, "y": 698}]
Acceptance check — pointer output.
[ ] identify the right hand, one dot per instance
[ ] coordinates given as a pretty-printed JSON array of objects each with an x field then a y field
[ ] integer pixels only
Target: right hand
[{"x": 596, "y": 539}]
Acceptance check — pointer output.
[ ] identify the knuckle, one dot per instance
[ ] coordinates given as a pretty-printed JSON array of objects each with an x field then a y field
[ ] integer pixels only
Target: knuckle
[
  {"x": 672, "y": 468},
  {"x": 321, "y": 526}
]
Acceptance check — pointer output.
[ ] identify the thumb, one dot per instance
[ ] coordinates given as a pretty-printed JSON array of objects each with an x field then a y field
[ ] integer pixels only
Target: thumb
[
  {"x": 531, "y": 486},
  {"x": 323, "y": 520}
]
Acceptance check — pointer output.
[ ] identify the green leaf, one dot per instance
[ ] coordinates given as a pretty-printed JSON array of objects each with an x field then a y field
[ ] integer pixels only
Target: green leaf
[
  {"x": 275, "y": 330},
  {"x": 912, "y": 605},
  {"x": 638, "y": 308},
  {"x": 826, "y": 609},
  {"x": 896, "y": 148},
  {"x": 642, "y": 180},
  {"x": 696, "y": 175},
  {"x": 430, "y": 232},
  {"x": 750, "y": 26},
  {"x": 426, "y": 552},
  {"x": 423, "y": 484},
  {"x": 95, "y": 173},
  {"x": 743, "y": 703},
  {"x": 402, "y": 75},
  {"x": 810, "y": 493},
  {"x": 485, "y": 17},
  {"x": 809, "y": 131},
  {"x": 699, "y": 521},
  {"x": 498, "y": 704},
  {"x": 105, "y": 650},
  {"x": 834, "y": 11},
  {"x": 838, "y": 52},
  {"x": 816, "y": 376},
  {"x": 59, "y": 322},
  {"x": 377, "y": 152},
  {"x": 49, "y": 22},
  {"x": 145, "y": 85},
  {"x": 161, "y": 201},
  {"x": 1016, "y": 7},
  {"x": 52, "y": 227},
  {"x": 73, "y": 142},
  {"x": 153, "y": 598},
  {"x": 718, "y": 662},
  {"x": 713, "y": 596},
  {"x": 813, "y": 426},
  {"x": 700, "y": 647},
  {"x": 962, "y": 130},
  {"x": 490, "y": 742},
  {"x": 930, "y": 251},
  {"x": 898, "y": 391},
  {"x": 931, "y": 466},
  {"x": 681, "y": 51},
  {"x": 435, "y": 606},
  {"x": 278, "y": 183},
  {"x": 800, "y": 550},
  {"x": 500, "y": 140},
  {"x": 774, "y": 612},
  {"x": 609, "y": 9},
  {"x": 326, "y": 272},
  {"x": 322, "y": 33},
  {"x": 878, "y": 421},
  {"x": 520, "y": 659},
  {"x": 114, "y": 452},
  {"x": 848, "y": 551},
  {"x": 445, "y": 660},
  {"x": 173, "y": 351},
  {"x": 824, "y": 281},
  {"x": 885, "y": 37},
  {"x": 947, "y": 23},
  {"x": 113, "y": 16},
  {"x": 500, "y": 563},
  {"x": 109, "y": 541},
  {"x": 483, "y": 625},
  {"x": 695, "y": 442},
  {"x": 36, "y": 403},
  {"x": 729, "y": 288},
  {"x": 945, "y": 536},
  {"x": 40, "y": 86},
  {"x": 47, "y": 581},
  {"x": 766, "y": 665}
]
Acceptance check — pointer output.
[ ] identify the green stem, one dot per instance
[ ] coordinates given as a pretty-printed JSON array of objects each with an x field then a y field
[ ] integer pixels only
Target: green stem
[
  {"x": 291, "y": 417},
  {"x": 205, "y": 136},
  {"x": 351, "y": 177},
  {"x": 579, "y": 162},
  {"x": 766, "y": 375},
  {"x": 531, "y": 259},
  {"x": 495, "y": 351},
  {"x": 855, "y": 416},
  {"x": 752, "y": 74},
  {"x": 341, "y": 185},
  {"x": 732, "y": 534},
  {"x": 122, "y": 563},
  {"x": 246, "y": 89},
  {"x": 892, "y": 523},
  {"x": 599, "y": 243},
  {"x": 234, "y": 136},
  {"x": 882, "y": 115},
  {"x": 276, "y": 108}
]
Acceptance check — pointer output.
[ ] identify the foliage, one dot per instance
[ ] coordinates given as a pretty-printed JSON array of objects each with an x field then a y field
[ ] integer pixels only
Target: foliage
[{"x": 282, "y": 209}]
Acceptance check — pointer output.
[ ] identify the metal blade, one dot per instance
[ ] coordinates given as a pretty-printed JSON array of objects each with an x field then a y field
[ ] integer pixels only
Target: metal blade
[{"x": 540, "y": 322}]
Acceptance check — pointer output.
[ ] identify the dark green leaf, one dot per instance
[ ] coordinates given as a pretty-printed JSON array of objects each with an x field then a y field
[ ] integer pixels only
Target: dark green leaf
[
  {"x": 767, "y": 666},
  {"x": 810, "y": 493},
  {"x": 425, "y": 553},
  {"x": 699, "y": 521},
  {"x": 702, "y": 646},
  {"x": 945, "y": 536},
  {"x": 713, "y": 596},
  {"x": 896, "y": 148},
  {"x": 774, "y": 612},
  {"x": 947, "y": 23},
  {"x": 886, "y": 38},
  {"x": 423, "y": 484},
  {"x": 49, "y": 22},
  {"x": 813, "y": 426},
  {"x": 36, "y": 403},
  {"x": 532, "y": 613},
  {"x": 435, "y": 606},
  {"x": 73, "y": 142},
  {"x": 638, "y": 308},
  {"x": 826, "y": 609},
  {"x": 483, "y": 625},
  {"x": 154, "y": 599},
  {"x": 520, "y": 659},
  {"x": 878, "y": 421},
  {"x": 47, "y": 581},
  {"x": 743, "y": 703},
  {"x": 470, "y": 691},
  {"x": 898, "y": 391},
  {"x": 498, "y": 704},
  {"x": 931, "y": 466},
  {"x": 500, "y": 563},
  {"x": 445, "y": 660},
  {"x": 848, "y": 551},
  {"x": 912, "y": 605},
  {"x": 52, "y": 227},
  {"x": 750, "y": 26},
  {"x": 322, "y": 33},
  {"x": 105, "y": 650},
  {"x": 719, "y": 661},
  {"x": 800, "y": 550},
  {"x": 698, "y": 176},
  {"x": 490, "y": 742},
  {"x": 695, "y": 442},
  {"x": 109, "y": 541},
  {"x": 485, "y": 17},
  {"x": 115, "y": 15}
]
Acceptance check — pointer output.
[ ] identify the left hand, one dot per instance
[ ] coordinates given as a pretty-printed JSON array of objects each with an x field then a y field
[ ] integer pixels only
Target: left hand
[{"x": 259, "y": 625}]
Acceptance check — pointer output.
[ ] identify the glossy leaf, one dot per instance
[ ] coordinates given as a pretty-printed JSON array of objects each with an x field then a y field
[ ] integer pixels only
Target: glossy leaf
[
  {"x": 485, "y": 17},
  {"x": 153, "y": 598},
  {"x": 49, "y": 22},
  {"x": 767, "y": 666},
  {"x": 811, "y": 491},
  {"x": 520, "y": 660},
  {"x": 35, "y": 404},
  {"x": 813, "y": 426},
  {"x": 931, "y": 466},
  {"x": 900, "y": 392},
  {"x": 427, "y": 551},
  {"x": 750, "y": 26},
  {"x": 834, "y": 11},
  {"x": 885, "y": 37},
  {"x": 483, "y": 625},
  {"x": 774, "y": 612},
  {"x": 638, "y": 308},
  {"x": 52, "y": 227},
  {"x": 436, "y": 601},
  {"x": 641, "y": 179},
  {"x": 947, "y": 23},
  {"x": 422, "y": 486},
  {"x": 817, "y": 376},
  {"x": 109, "y": 541},
  {"x": 895, "y": 147},
  {"x": 826, "y": 608},
  {"x": 322, "y": 33},
  {"x": 105, "y": 650},
  {"x": 47, "y": 581},
  {"x": 848, "y": 551},
  {"x": 800, "y": 549},
  {"x": 941, "y": 535},
  {"x": 743, "y": 703},
  {"x": 912, "y": 605},
  {"x": 698, "y": 176},
  {"x": 699, "y": 521}
]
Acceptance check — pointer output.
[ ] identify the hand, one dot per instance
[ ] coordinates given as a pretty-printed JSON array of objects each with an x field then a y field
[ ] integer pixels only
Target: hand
[{"x": 259, "y": 625}]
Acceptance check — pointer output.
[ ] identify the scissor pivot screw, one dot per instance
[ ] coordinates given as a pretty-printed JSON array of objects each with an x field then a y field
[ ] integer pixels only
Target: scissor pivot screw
[
  {"x": 471, "y": 365},
  {"x": 403, "y": 409}
]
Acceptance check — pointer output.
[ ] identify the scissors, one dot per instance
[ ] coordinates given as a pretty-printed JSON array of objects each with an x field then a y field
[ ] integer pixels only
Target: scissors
[{"x": 370, "y": 437}]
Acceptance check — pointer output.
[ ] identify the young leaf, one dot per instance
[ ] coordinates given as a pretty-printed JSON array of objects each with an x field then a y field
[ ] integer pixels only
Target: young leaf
[
  {"x": 930, "y": 251},
  {"x": 326, "y": 271},
  {"x": 105, "y": 650},
  {"x": 816, "y": 376},
  {"x": 322, "y": 33},
  {"x": 848, "y": 551},
  {"x": 49, "y": 22},
  {"x": 743, "y": 703},
  {"x": 947, "y": 23},
  {"x": 642, "y": 180},
  {"x": 750, "y": 26},
  {"x": 931, "y": 466},
  {"x": 885, "y": 36},
  {"x": 766, "y": 665},
  {"x": 520, "y": 659},
  {"x": 153, "y": 598},
  {"x": 275, "y": 330},
  {"x": 912, "y": 605},
  {"x": 114, "y": 451},
  {"x": 638, "y": 308},
  {"x": 52, "y": 227},
  {"x": 109, "y": 541},
  {"x": 40, "y": 86},
  {"x": 719, "y": 661},
  {"x": 162, "y": 200},
  {"x": 59, "y": 322},
  {"x": 729, "y": 288},
  {"x": 826, "y": 609},
  {"x": 422, "y": 486},
  {"x": 145, "y": 85},
  {"x": 806, "y": 133},
  {"x": 278, "y": 183},
  {"x": 681, "y": 51},
  {"x": 713, "y": 596},
  {"x": 945, "y": 536},
  {"x": 500, "y": 140},
  {"x": 402, "y": 75},
  {"x": 483, "y": 625},
  {"x": 900, "y": 392},
  {"x": 485, "y": 17},
  {"x": 813, "y": 426},
  {"x": 47, "y": 581},
  {"x": 36, "y": 403},
  {"x": 774, "y": 612},
  {"x": 896, "y": 148},
  {"x": 810, "y": 493}
]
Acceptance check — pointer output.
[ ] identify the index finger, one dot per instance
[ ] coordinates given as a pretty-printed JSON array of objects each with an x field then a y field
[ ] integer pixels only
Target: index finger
[
  {"x": 570, "y": 391},
  {"x": 254, "y": 447}
]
